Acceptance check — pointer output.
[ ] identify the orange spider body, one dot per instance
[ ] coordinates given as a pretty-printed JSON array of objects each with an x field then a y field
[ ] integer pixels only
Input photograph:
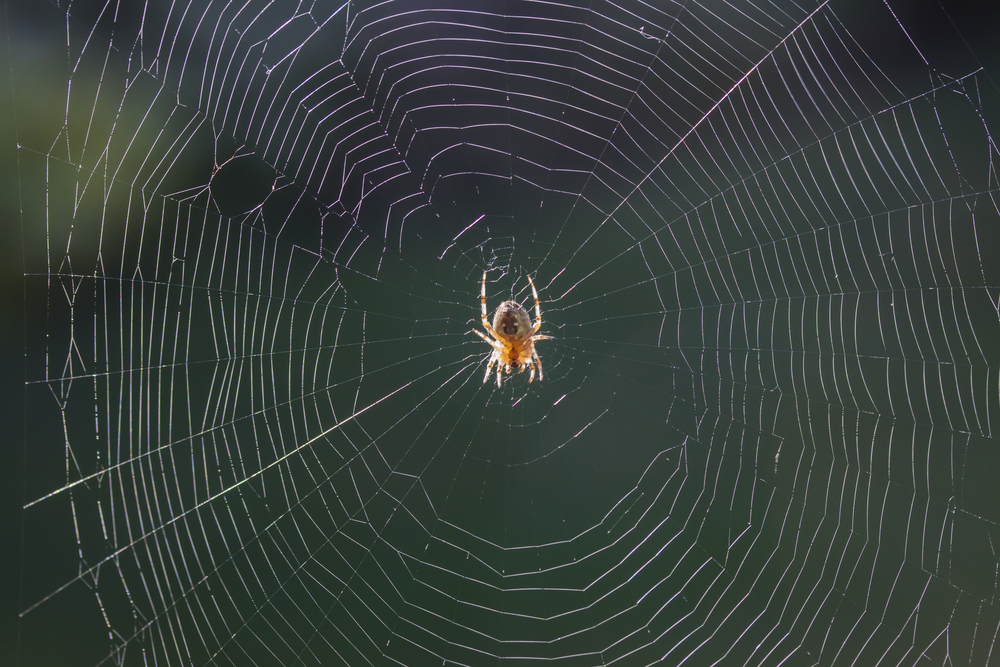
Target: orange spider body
[{"x": 512, "y": 336}]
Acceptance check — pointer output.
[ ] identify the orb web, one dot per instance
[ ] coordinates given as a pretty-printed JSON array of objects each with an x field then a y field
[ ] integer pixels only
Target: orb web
[{"x": 258, "y": 431}]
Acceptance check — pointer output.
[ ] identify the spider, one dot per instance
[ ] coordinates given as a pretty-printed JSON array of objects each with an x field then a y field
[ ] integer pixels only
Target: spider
[{"x": 512, "y": 336}]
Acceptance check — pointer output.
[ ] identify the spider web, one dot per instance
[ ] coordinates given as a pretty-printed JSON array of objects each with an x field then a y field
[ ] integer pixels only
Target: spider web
[{"x": 764, "y": 239}]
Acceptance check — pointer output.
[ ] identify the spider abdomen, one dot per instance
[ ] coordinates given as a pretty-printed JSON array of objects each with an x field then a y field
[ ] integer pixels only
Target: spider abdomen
[{"x": 511, "y": 320}]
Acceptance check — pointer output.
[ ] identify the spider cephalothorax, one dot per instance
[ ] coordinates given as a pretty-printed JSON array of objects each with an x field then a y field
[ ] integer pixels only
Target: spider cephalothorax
[{"x": 512, "y": 336}]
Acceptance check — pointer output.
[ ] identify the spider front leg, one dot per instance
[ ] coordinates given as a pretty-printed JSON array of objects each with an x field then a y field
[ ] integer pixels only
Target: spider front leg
[
  {"x": 489, "y": 367},
  {"x": 495, "y": 356},
  {"x": 537, "y": 362}
]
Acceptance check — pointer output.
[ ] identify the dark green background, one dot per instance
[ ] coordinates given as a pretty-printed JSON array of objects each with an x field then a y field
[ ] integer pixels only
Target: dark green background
[{"x": 700, "y": 470}]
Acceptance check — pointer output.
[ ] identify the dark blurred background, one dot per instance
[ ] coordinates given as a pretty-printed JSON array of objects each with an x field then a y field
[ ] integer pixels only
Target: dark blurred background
[{"x": 337, "y": 317}]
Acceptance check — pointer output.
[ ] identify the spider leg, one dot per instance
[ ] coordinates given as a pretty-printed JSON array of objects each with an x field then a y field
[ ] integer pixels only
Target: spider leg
[
  {"x": 482, "y": 297},
  {"x": 489, "y": 367},
  {"x": 495, "y": 356},
  {"x": 496, "y": 344},
  {"x": 538, "y": 362},
  {"x": 538, "y": 310}
]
